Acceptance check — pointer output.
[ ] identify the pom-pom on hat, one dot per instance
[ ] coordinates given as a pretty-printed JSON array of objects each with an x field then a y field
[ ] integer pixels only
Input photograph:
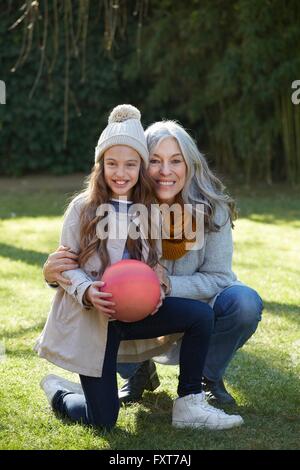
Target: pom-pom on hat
[{"x": 124, "y": 128}]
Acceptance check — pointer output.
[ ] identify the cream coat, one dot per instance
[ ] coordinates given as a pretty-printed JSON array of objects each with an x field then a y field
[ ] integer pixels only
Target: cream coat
[{"x": 74, "y": 337}]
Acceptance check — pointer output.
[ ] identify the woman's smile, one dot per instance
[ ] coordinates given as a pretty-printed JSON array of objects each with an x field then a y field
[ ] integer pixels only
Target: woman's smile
[
  {"x": 168, "y": 170},
  {"x": 165, "y": 183}
]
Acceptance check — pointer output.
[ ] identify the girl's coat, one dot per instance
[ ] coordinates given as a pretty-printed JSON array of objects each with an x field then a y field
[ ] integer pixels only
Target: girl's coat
[{"x": 74, "y": 337}]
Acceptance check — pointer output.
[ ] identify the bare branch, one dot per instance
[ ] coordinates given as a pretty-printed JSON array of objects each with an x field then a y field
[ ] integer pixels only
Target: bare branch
[{"x": 43, "y": 51}]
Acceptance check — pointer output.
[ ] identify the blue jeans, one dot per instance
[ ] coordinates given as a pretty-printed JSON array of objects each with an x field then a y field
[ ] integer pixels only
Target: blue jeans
[
  {"x": 237, "y": 312},
  {"x": 99, "y": 406}
]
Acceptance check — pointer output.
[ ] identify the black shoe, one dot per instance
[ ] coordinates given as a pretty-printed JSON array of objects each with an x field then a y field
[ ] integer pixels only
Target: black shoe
[
  {"x": 216, "y": 392},
  {"x": 145, "y": 378}
]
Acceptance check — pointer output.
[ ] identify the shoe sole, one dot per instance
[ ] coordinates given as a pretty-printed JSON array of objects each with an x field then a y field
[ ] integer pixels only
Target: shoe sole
[
  {"x": 67, "y": 384},
  {"x": 183, "y": 424},
  {"x": 130, "y": 401}
]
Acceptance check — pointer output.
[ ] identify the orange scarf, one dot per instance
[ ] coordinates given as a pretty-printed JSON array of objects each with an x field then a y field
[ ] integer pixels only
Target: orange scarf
[{"x": 175, "y": 248}]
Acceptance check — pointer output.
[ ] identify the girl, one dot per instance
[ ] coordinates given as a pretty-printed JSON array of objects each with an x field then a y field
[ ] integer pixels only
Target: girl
[{"x": 79, "y": 335}]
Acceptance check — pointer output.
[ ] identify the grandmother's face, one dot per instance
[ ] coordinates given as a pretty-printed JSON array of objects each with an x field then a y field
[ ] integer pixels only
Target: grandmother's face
[{"x": 168, "y": 170}]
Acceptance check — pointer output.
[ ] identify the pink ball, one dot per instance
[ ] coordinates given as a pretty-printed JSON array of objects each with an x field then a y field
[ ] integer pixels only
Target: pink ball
[{"x": 135, "y": 289}]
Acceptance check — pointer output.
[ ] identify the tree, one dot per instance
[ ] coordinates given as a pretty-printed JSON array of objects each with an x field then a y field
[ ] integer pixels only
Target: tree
[{"x": 224, "y": 69}]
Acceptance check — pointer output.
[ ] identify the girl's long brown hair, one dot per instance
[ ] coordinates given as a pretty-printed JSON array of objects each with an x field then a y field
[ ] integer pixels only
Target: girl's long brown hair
[{"x": 97, "y": 192}]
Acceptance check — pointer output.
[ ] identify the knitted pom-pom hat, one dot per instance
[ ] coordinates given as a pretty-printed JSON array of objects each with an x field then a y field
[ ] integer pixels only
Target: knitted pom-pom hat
[{"x": 124, "y": 128}]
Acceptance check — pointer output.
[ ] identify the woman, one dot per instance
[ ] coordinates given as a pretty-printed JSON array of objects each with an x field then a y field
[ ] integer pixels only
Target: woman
[
  {"x": 180, "y": 173},
  {"x": 79, "y": 335}
]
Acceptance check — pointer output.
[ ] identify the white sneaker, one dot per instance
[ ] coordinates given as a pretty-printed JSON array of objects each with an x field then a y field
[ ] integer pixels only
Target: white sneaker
[
  {"x": 193, "y": 411},
  {"x": 52, "y": 383}
]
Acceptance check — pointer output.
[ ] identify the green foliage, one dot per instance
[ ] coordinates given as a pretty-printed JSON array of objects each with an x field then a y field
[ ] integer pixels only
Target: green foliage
[
  {"x": 223, "y": 69},
  {"x": 32, "y": 130}
]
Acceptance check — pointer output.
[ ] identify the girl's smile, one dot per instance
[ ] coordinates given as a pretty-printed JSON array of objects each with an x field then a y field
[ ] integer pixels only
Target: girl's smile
[{"x": 121, "y": 170}]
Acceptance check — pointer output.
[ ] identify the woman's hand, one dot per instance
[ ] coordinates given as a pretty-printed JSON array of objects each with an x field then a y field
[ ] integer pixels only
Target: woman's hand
[
  {"x": 100, "y": 300},
  {"x": 162, "y": 296},
  {"x": 61, "y": 260}
]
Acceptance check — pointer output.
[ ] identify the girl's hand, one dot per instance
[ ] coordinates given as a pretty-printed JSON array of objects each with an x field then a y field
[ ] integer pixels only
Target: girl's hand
[
  {"x": 100, "y": 300},
  {"x": 61, "y": 260},
  {"x": 162, "y": 296}
]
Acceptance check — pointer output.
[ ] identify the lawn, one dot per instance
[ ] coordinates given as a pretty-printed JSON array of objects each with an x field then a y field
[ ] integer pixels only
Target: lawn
[{"x": 264, "y": 376}]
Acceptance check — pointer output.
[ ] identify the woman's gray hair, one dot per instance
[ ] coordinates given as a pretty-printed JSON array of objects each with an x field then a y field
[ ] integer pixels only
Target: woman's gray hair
[{"x": 201, "y": 186}]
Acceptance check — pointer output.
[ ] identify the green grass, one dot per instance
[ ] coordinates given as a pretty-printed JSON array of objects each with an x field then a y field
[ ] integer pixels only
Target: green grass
[{"x": 264, "y": 375}]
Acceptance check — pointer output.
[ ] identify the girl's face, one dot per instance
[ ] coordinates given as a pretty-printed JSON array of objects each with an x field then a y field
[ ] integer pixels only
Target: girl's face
[
  {"x": 121, "y": 170},
  {"x": 168, "y": 170}
]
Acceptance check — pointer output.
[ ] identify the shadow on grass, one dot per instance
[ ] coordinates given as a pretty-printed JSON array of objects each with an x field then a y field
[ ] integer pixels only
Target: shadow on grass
[
  {"x": 274, "y": 307},
  {"x": 158, "y": 411},
  {"x": 268, "y": 389},
  {"x": 271, "y": 394},
  {"x": 270, "y": 414},
  {"x": 292, "y": 220},
  {"x": 36, "y": 258},
  {"x": 23, "y": 353},
  {"x": 112, "y": 435},
  {"x": 37, "y": 197},
  {"x": 34, "y": 204},
  {"x": 17, "y": 350},
  {"x": 284, "y": 309},
  {"x": 270, "y": 208},
  {"x": 153, "y": 412}
]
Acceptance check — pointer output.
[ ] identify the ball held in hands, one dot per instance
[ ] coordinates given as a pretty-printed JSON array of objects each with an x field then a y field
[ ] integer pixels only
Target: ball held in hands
[{"x": 135, "y": 289}]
